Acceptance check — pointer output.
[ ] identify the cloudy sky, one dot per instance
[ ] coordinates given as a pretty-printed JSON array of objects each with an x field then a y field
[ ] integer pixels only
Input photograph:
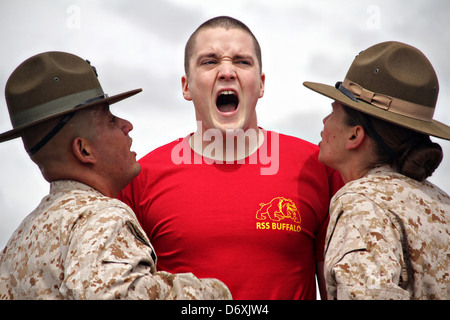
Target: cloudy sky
[{"x": 139, "y": 44}]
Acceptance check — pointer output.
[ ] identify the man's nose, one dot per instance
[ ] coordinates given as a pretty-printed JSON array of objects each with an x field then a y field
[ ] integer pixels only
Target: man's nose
[
  {"x": 125, "y": 125},
  {"x": 227, "y": 71}
]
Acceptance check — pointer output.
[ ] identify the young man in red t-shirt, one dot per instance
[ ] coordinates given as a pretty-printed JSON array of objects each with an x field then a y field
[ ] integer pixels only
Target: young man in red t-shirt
[{"x": 234, "y": 201}]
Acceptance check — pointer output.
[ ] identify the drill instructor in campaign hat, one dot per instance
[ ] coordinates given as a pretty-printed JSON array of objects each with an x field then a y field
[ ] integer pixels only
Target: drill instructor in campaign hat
[
  {"x": 81, "y": 242},
  {"x": 389, "y": 231}
]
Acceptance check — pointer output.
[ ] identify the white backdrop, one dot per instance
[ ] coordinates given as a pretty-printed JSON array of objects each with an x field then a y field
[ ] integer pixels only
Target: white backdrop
[{"x": 140, "y": 43}]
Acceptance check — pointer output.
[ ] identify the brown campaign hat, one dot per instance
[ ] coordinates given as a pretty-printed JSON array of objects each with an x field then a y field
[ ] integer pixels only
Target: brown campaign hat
[
  {"x": 49, "y": 85},
  {"x": 394, "y": 82}
]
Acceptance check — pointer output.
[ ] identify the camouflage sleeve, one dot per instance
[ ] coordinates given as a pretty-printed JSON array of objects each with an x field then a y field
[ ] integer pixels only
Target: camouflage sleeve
[
  {"x": 363, "y": 257},
  {"x": 109, "y": 258}
]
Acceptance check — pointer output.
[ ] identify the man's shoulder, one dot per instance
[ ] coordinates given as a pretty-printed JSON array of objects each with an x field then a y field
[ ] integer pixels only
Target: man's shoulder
[
  {"x": 293, "y": 139},
  {"x": 294, "y": 145},
  {"x": 162, "y": 152}
]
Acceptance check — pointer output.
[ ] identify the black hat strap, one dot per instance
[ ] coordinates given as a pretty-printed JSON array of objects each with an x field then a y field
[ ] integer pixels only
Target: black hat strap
[{"x": 59, "y": 126}]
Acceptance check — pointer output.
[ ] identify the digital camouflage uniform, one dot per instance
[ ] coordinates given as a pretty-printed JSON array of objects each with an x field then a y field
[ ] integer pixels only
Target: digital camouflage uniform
[
  {"x": 79, "y": 244},
  {"x": 388, "y": 238}
]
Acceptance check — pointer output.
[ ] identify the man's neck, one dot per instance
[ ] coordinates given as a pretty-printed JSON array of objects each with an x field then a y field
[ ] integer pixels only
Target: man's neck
[{"x": 232, "y": 145}]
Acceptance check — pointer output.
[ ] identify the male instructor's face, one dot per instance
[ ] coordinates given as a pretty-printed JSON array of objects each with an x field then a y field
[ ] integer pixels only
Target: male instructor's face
[
  {"x": 111, "y": 147},
  {"x": 225, "y": 80}
]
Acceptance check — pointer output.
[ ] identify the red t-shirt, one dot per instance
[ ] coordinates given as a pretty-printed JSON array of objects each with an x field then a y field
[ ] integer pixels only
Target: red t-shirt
[{"x": 258, "y": 232}]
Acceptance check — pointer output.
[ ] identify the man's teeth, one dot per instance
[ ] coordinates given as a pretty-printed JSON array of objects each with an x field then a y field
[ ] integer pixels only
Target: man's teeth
[{"x": 227, "y": 92}]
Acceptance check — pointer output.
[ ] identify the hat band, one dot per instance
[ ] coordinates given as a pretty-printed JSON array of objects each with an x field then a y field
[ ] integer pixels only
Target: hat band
[
  {"x": 394, "y": 105},
  {"x": 53, "y": 107}
]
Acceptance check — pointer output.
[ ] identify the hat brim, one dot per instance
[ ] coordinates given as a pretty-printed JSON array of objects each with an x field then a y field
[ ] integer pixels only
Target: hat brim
[
  {"x": 433, "y": 128},
  {"x": 17, "y": 132}
]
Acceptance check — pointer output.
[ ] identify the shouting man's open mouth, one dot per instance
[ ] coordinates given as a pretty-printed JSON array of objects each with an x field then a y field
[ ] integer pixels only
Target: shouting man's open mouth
[{"x": 227, "y": 101}]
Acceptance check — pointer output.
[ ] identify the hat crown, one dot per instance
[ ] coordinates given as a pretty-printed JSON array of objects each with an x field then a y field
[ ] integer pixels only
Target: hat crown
[
  {"x": 394, "y": 82},
  {"x": 49, "y": 85},
  {"x": 47, "y": 77},
  {"x": 398, "y": 70}
]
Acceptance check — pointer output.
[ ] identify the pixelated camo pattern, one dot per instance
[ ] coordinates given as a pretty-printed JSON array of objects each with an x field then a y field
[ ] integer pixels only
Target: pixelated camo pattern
[
  {"x": 79, "y": 244},
  {"x": 388, "y": 238}
]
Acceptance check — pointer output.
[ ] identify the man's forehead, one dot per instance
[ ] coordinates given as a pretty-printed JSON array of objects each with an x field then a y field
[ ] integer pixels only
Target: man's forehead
[{"x": 214, "y": 40}]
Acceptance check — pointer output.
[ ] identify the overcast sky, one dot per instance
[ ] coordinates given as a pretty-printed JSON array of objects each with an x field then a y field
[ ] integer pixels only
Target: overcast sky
[{"x": 139, "y": 44}]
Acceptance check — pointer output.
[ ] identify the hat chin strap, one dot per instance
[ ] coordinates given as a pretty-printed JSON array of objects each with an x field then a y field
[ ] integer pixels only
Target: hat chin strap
[
  {"x": 368, "y": 126},
  {"x": 59, "y": 126},
  {"x": 344, "y": 90},
  {"x": 51, "y": 134}
]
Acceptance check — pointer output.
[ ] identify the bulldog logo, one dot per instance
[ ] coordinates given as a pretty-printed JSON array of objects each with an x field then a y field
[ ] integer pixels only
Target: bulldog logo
[{"x": 278, "y": 209}]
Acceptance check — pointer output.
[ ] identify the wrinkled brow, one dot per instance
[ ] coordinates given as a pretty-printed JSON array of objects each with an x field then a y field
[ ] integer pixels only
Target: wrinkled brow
[{"x": 235, "y": 57}]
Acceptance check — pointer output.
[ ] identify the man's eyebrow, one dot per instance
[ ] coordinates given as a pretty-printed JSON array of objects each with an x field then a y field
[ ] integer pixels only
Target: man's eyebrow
[
  {"x": 215, "y": 56},
  {"x": 243, "y": 57},
  {"x": 207, "y": 55}
]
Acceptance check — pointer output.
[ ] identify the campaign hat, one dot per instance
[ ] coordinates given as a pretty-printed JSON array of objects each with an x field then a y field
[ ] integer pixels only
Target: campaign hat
[
  {"x": 392, "y": 81},
  {"x": 49, "y": 85}
]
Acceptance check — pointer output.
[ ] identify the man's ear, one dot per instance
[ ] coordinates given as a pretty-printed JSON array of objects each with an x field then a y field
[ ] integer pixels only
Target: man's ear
[
  {"x": 82, "y": 151},
  {"x": 185, "y": 88},
  {"x": 261, "y": 85},
  {"x": 355, "y": 138}
]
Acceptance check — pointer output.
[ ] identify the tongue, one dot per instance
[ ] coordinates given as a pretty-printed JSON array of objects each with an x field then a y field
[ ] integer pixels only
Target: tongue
[{"x": 227, "y": 107}]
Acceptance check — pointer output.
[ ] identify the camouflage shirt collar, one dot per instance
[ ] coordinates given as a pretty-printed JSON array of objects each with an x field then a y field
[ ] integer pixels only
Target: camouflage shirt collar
[{"x": 65, "y": 186}]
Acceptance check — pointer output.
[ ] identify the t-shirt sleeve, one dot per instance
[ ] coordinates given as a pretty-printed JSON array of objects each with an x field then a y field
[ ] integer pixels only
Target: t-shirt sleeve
[
  {"x": 334, "y": 183},
  {"x": 320, "y": 240}
]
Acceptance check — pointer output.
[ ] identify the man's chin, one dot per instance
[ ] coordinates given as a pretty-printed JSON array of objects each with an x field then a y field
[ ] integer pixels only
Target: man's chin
[
  {"x": 134, "y": 171},
  {"x": 137, "y": 170}
]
